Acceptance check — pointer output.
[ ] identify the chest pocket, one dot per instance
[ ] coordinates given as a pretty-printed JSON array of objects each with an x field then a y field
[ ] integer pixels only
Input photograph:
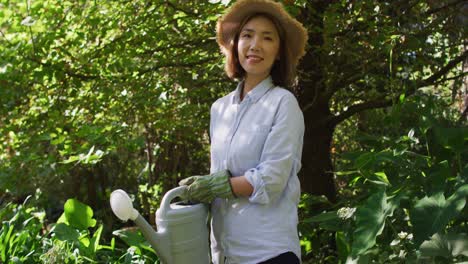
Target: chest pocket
[
  {"x": 257, "y": 137},
  {"x": 249, "y": 142}
]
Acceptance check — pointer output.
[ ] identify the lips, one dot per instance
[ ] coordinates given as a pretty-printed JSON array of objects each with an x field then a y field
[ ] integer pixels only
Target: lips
[{"x": 254, "y": 58}]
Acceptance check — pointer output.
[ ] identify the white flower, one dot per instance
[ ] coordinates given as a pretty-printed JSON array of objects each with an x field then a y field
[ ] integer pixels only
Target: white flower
[
  {"x": 346, "y": 212},
  {"x": 402, "y": 235},
  {"x": 163, "y": 96},
  {"x": 28, "y": 21}
]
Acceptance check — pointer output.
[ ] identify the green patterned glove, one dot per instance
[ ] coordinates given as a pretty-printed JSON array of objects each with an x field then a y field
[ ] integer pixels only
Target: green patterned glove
[{"x": 206, "y": 188}]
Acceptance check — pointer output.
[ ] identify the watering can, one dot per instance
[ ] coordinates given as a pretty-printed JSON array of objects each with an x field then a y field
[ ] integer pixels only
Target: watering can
[{"x": 182, "y": 231}]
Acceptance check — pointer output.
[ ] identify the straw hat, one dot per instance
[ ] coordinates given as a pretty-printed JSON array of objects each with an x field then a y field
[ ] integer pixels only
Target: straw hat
[{"x": 228, "y": 25}]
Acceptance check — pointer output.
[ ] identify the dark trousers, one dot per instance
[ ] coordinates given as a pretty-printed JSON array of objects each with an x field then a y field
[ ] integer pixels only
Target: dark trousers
[{"x": 285, "y": 258}]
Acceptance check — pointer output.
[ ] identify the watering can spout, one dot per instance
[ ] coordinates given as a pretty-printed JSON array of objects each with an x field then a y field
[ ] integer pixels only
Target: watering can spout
[
  {"x": 158, "y": 240},
  {"x": 122, "y": 207}
]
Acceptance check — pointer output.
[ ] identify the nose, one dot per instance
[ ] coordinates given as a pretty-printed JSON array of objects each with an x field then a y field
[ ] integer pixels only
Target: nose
[{"x": 256, "y": 44}]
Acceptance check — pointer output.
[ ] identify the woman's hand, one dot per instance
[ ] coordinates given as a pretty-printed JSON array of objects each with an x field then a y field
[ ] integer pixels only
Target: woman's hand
[{"x": 206, "y": 188}]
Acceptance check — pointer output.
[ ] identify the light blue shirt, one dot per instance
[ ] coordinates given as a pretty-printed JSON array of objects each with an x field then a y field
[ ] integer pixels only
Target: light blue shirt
[{"x": 260, "y": 137}]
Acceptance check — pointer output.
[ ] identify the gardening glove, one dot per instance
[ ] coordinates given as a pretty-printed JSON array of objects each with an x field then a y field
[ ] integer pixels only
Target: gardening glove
[{"x": 206, "y": 188}]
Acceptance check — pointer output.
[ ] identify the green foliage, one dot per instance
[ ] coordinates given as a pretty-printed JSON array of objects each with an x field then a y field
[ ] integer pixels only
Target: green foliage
[
  {"x": 24, "y": 239},
  {"x": 447, "y": 246},
  {"x": 431, "y": 214},
  {"x": 84, "y": 92},
  {"x": 72, "y": 232},
  {"x": 77, "y": 215},
  {"x": 399, "y": 187},
  {"x": 149, "y": 197},
  {"x": 20, "y": 234},
  {"x": 135, "y": 240},
  {"x": 370, "y": 221}
]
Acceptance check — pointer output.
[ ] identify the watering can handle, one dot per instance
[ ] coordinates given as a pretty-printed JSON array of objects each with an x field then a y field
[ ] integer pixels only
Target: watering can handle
[{"x": 169, "y": 196}]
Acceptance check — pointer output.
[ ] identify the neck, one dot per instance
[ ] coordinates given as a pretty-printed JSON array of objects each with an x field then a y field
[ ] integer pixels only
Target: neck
[{"x": 250, "y": 82}]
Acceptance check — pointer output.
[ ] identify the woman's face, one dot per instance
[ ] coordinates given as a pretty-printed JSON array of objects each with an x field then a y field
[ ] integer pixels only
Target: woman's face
[{"x": 258, "y": 47}]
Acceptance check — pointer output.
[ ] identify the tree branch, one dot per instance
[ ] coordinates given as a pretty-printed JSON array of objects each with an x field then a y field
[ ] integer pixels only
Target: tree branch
[
  {"x": 342, "y": 83},
  {"x": 380, "y": 103},
  {"x": 463, "y": 74},
  {"x": 68, "y": 72},
  {"x": 430, "y": 80},
  {"x": 354, "y": 109}
]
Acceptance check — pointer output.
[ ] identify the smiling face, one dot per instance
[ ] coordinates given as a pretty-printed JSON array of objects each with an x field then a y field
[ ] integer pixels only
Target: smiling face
[{"x": 258, "y": 47}]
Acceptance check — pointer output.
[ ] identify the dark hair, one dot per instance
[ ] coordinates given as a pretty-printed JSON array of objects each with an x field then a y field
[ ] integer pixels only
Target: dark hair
[{"x": 282, "y": 71}]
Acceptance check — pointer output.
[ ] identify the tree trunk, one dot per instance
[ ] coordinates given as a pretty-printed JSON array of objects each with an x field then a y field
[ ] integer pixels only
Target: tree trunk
[
  {"x": 316, "y": 174},
  {"x": 317, "y": 170}
]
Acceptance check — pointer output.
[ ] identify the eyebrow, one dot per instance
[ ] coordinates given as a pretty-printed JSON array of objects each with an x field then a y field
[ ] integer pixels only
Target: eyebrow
[{"x": 251, "y": 30}]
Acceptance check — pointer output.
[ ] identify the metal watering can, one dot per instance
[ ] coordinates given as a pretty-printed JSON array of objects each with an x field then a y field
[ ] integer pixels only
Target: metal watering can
[{"x": 182, "y": 232}]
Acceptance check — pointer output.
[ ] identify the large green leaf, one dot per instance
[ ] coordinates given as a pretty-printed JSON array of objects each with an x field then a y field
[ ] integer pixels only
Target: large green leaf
[
  {"x": 66, "y": 233},
  {"x": 432, "y": 214},
  {"x": 370, "y": 221},
  {"x": 328, "y": 221},
  {"x": 77, "y": 214},
  {"x": 133, "y": 238},
  {"x": 450, "y": 245}
]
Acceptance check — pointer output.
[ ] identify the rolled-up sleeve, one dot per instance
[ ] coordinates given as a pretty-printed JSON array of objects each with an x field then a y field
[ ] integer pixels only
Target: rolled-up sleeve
[{"x": 281, "y": 153}]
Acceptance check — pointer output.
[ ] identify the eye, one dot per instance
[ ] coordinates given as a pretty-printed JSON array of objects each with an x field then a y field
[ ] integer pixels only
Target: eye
[
  {"x": 246, "y": 35},
  {"x": 269, "y": 38}
]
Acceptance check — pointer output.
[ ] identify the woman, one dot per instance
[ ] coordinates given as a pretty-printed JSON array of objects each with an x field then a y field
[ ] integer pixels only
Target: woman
[{"x": 256, "y": 136}]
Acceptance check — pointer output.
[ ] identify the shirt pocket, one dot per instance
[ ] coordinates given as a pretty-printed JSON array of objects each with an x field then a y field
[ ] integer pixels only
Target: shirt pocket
[
  {"x": 246, "y": 148},
  {"x": 256, "y": 137}
]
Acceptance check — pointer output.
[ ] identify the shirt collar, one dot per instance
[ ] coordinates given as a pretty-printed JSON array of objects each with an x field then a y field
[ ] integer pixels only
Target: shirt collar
[{"x": 256, "y": 93}]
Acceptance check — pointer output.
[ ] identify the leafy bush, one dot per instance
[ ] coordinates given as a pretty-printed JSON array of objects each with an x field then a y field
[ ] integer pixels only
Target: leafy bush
[
  {"x": 75, "y": 238},
  {"x": 20, "y": 235},
  {"x": 406, "y": 197}
]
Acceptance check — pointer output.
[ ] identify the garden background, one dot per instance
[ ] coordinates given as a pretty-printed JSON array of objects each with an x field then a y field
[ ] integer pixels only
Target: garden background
[{"x": 99, "y": 95}]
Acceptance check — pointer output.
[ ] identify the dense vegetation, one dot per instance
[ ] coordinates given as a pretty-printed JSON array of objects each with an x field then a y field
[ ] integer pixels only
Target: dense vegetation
[{"x": 99, "y": 95}]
